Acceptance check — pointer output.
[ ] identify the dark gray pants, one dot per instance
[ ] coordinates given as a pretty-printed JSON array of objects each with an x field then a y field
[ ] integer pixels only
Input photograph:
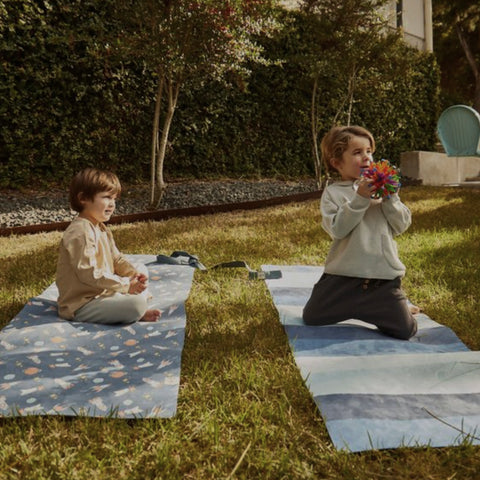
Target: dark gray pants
[{"x": 380, "y": 302}]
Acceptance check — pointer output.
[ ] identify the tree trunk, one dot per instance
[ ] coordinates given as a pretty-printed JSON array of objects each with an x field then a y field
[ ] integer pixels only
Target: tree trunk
[
  {"x": 349, "y": 97},
  {"x": 160, "y": 185},
  {"x": 352, "y": 82},
  {"x": 473, "y": 65},
  {"x": 476, "y": 99},
  {"x": 155, "y": 143}
]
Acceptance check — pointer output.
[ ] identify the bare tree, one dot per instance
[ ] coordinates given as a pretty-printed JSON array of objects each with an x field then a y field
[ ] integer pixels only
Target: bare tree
[
  {"x": 184, "y": 40},
  {"x": 459, "y": 21},
  {"x": 348, "y": 38}
]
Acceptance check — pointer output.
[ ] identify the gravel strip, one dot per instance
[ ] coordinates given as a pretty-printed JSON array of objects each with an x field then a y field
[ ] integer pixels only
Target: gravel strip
[{"x": 38, "y": 207}]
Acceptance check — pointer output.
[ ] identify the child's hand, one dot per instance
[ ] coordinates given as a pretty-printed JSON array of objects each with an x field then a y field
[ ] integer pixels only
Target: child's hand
[
  {"x": 137, "y": 286},
  {"x": 365, "y": 189},
  {"x": 141, "y": 278}
]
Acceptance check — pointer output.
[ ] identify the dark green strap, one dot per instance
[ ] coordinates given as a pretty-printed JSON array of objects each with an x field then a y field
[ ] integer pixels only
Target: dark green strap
[
  {"x": 252, "y": 274},
  {"x": 180, "y": 257}
]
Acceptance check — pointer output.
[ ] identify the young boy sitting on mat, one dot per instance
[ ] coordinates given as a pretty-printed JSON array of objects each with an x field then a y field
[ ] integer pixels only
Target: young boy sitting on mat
[
  {"x": 96, "y": 283},
  {"x": 362, "y": 277}
]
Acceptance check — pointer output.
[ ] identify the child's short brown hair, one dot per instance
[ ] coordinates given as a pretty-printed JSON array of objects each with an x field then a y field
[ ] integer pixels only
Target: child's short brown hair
[
  {"x": 336, "y": 141},
  {"x": 90, "y": 181}
]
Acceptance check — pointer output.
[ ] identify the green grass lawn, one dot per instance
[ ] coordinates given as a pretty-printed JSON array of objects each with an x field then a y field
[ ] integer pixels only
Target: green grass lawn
[{"x": 243, "y": 410}]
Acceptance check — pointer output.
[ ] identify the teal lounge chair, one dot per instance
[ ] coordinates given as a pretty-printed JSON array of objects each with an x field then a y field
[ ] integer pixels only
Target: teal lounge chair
[{"x": 459, "y": 131}]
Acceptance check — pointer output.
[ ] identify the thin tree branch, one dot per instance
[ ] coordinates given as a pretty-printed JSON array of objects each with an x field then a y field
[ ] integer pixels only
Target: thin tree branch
[
  {"x": 468, "y": 52},
  {"x": 473, "y": 64},
  {"x": 352, "y": 81},
  {"x": 316, "y": 156}
]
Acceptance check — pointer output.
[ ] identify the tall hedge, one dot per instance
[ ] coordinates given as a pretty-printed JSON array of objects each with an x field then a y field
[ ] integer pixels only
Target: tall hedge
[
  {"x": 264, "y": 129},
  {"x": 67, "y": 100}
]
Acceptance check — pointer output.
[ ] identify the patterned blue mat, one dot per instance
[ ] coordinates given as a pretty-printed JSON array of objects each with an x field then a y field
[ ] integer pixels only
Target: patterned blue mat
[
  {"x": 49, "y": 366},
  {"x": 376, "y": 392}
]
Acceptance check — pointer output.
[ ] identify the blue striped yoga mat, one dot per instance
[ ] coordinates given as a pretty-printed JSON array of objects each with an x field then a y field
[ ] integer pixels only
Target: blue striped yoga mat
[
  {"x": 377, "y": 392},
  {"x": 49, "y": 366}
]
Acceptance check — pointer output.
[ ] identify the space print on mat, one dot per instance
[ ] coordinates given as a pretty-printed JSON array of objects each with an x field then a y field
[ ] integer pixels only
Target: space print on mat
[{"x": 51, "y": 366}]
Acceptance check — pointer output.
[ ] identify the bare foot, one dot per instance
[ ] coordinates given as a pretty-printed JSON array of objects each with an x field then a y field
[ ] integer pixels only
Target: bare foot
[
  {"x": 414, "y": 309},
  {"x": 151, "y": 316}
]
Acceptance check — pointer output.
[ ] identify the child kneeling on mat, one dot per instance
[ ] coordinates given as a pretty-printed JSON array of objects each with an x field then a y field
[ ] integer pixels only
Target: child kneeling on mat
[
  {"x": 362, "y": 277},
  {"x": 96, "y": 283}
]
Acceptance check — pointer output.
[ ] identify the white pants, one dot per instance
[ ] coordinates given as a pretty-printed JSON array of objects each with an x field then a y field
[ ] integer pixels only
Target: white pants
[{"x": 117, "y": 308}]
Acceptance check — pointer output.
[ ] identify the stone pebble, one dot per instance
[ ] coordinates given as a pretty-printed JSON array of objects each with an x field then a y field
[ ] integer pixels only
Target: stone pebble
[{"x": 31, "y": 207}]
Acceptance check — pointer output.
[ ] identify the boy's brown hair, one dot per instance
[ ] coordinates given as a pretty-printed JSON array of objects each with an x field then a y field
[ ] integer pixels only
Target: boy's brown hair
[
  {"x": 336, "y": 141},
  {"x": 90, "y": 181}
]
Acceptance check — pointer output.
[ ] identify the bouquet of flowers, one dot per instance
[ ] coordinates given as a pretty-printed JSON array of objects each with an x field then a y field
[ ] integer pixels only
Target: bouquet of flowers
[{"x": 385, "y": 178}]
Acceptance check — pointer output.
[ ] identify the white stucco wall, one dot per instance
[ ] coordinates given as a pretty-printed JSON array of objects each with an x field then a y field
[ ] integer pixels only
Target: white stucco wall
[
  {"x": 414, "y": 23},
  {"x": 416, "y": 20}
]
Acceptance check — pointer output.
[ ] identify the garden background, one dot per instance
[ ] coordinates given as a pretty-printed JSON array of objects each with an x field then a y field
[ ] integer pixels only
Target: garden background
[{"x": 71, "y": 99}]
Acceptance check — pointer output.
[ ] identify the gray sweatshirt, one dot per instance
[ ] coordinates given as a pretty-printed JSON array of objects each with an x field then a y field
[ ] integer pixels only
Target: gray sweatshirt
[{"x": 362, "y": 230}]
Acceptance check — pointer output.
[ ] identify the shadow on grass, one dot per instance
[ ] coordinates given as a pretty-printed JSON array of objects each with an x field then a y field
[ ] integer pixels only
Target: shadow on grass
[
  {"x": 24, "y": 276},
  {"x": 443, "y": 208},
  {"x": 449, "y": 281},
  {"x": 240, "y": 320}
]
